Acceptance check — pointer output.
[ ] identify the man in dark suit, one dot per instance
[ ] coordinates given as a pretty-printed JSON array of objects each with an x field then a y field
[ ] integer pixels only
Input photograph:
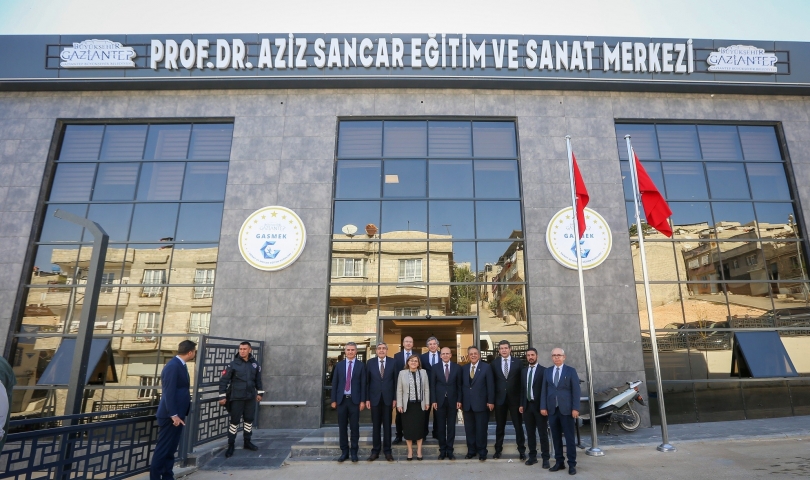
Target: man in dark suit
[
  {"x": 400, "y": 359},
  {"x": 428, "y": 359},
  {"x": 559, "y": 400},
  {"x": 507, "y": 371},
  {"x": 175, "y": 404},
  {"x": 381, "y": 377},
  {"x": 477, "y": 400},
  {"x": 348, "y": 397},
  {"x": 445, "y": 391},
  {"x": 531, "y": 381}
]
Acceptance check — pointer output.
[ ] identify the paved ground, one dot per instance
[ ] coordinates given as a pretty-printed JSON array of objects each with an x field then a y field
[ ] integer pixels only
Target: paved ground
[
  {"x": 728, "y": 459},
  {"x": 773, "y": 448}
]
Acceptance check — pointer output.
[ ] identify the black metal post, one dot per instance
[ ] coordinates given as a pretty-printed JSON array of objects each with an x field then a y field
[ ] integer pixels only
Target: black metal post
[{"x": 84, "y": 338}]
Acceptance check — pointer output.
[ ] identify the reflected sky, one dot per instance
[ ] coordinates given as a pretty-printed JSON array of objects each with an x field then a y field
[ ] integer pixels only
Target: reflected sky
[
  {"x": 113, "y": 218},
  {"x": 740, "y": 212},
  {"x": 690, "y": 213},
  {"x": 451, "y": 178},
  {"x": 727, "y": 180},
  {"x": 454, "y": 218},
  {"x": 404, "y": 179},
  {"x": 358, "y": 179},
  {"x": 358, "y": 214},
  {"x": 496, "y": 179},
  {"x": 404, "y": 216},
  {"x": 58, "y": 230},
  {"x": 497, "y": 219},
  {"x": 152, "y": 222},
  {"x": 685, "y": 181},
  {"x": 199, "y": 222},
  {"x": 768, "y": 181}
]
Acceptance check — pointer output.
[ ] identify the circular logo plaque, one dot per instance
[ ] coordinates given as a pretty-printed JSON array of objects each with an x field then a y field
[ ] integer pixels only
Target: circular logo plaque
[
  {"x": 272, "y": 238},
  {"x": 595, "y": 244}
]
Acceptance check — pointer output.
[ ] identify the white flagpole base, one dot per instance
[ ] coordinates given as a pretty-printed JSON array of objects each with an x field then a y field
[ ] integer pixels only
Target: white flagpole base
[
  {"x": 595, "y": 452},
  {"x": 666, "y": 448}
]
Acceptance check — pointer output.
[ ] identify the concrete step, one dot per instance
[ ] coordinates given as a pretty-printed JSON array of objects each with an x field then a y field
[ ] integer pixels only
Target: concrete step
[{"x": 324, "y": 444}]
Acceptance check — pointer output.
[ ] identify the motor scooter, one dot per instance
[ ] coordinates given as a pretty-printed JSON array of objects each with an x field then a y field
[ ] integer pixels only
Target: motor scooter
[{"x": 615, "y": 405}]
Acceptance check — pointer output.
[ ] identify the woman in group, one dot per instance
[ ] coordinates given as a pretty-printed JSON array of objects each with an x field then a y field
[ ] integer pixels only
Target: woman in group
[{"x": 413, "y": 399}]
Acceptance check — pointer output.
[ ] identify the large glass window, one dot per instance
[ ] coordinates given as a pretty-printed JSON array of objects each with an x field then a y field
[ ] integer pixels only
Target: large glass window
[
  {"x": 158, "y": 191},
  {"x": 427, "y": 227},
  {"x": 736, "y": 261}
]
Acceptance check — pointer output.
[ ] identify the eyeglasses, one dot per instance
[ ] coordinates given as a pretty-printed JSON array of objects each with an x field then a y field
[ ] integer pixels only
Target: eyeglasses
[{"x": 557, "y": 355}]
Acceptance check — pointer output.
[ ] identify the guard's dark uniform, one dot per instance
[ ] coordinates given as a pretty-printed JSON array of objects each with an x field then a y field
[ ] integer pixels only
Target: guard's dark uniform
[{"x": 245, "y": 382}]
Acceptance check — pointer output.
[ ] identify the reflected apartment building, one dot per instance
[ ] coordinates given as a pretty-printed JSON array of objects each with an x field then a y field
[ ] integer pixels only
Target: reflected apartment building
[{"x": 132, "y": 315}]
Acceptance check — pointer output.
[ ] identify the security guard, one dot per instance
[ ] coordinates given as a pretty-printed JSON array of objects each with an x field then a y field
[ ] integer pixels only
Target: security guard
[{"x": 244, "y": 379}]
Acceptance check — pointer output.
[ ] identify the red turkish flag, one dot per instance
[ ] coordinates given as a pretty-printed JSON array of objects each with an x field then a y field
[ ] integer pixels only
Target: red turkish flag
[
  {"x": 582, "y": 196},
  {"x": 655, "y": 207}
]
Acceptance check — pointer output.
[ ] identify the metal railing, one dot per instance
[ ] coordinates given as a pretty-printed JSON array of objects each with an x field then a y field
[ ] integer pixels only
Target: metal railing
[
  {"x": 107, "y": 449},
  {"x": 111, "y": 443}
]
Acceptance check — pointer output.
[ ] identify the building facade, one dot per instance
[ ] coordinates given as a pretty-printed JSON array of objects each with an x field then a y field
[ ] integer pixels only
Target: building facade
[{"x": 426, "y": 202}]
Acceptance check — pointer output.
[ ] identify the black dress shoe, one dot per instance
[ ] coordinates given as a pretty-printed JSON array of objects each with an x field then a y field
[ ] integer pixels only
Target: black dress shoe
[
  {"x": 523, "y": 456},
  {"x": 546, "y": 464},
  {"x": 342, "y": 458},
  {"x": 531, "y": 461},
  {"x": 373, "y": 456},
  {"x": 389, "y": 457},
  {"x": 450, "y": 456},
  {"x": 572, "y": 470},
  {"x": 496, "y": 455},
  {"x": 469, "y": 456},
  {"x": 250, "y": 446},
  {"x": 483, "y": 458},
  {"x": 354, "y": 458},
  {"x": 556, "y": 467},
  {"x": 397, "y": 441},
  {"x": 442, "y": 456}
]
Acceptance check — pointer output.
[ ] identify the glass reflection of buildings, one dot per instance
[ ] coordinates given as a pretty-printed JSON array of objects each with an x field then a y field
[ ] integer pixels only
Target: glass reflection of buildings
[
  {"x": 158, "y": 191},
  {"x": 401, "y": 278},
  {"x": 734, "y": 262},
  {"x": 139, "y": 304}
]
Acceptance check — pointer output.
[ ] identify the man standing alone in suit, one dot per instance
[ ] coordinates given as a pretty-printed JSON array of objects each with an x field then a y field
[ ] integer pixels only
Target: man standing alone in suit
[
  {"x": 477, "y": 400},
  {"x": 400, "y": 360},
  {"x": 381, "y": 377},
  {"x": 559, "y": 400},
  {"x": 348, "y": 397},
  {"x": 429, "y": 359},
  {"x": 445, "y": 391},
  {"x": 531, "y": 381},
  {"x": 175, "y": 404},
  {"x": 507, "y": 371}
]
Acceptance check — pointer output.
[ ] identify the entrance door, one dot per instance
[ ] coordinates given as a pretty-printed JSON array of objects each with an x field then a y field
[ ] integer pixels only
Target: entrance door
[{"x": 458, "y": 333}]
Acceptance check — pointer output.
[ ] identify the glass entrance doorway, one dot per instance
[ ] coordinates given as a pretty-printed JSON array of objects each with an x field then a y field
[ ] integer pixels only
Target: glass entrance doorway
[{"x": 457, "y": 333}]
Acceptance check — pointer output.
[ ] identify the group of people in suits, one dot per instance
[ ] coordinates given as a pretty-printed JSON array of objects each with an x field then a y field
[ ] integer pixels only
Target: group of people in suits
[{"x": 416, "y": 385}]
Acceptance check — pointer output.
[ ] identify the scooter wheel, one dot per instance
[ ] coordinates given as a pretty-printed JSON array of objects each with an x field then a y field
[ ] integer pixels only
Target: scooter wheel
[{"x": 630, "y": 426}]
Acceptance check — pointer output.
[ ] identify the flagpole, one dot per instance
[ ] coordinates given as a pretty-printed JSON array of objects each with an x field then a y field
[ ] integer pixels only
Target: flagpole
[
  {"x": 594, "y": 451},
  {"x": 665, "y": 446}
]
